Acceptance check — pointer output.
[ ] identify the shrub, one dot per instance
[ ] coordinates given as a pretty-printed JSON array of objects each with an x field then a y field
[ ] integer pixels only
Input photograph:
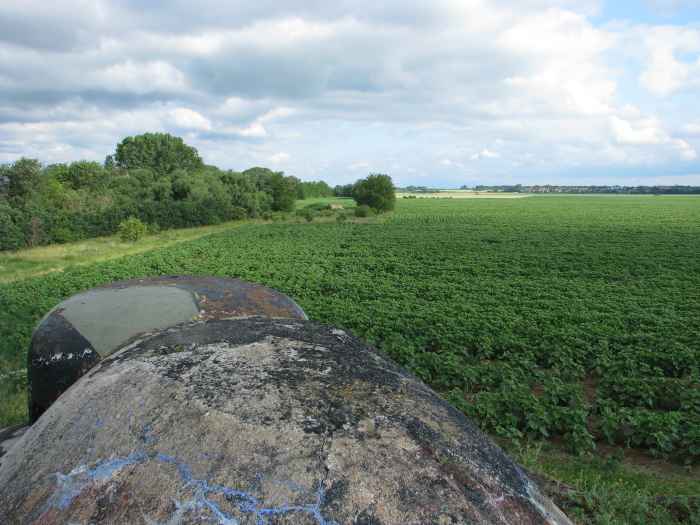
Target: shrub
[
  {"x": 341, "y": 218},
  {"x": 238, "y": 213},
  {"x": 307, "y": 214},
  {"x": 363, "y": 211},
  {"x": 318, "y": 206},
  {"x": 376, "y": 191},
  {"x": 131, "y": 230},
  {"x": 63, "y": 234},
  {"x": 11, "y": 235}
]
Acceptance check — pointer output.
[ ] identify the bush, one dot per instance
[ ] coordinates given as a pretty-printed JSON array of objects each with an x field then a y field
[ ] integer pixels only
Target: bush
[
  {"x": 307, "y": 214},
  {"x": 11, "y": 233},
  {"x": 363, "y": 211},
  {"x": 131, "y": 230},
  {"x": 238, "y": 213},
  {"x": 317, "y": 206},
  {"x": 341, "y": 218},
  {"x": 376, "y": 191}
]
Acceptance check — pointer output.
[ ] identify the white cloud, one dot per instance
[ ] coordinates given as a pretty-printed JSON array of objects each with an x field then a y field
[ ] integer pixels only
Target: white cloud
[
  {"x": 642, "y": 132},
  {"x": 140, "y": 78},
  {"x": 186, "y": 118},
  {"x": 692, "y": 129},
  {"x": 485, "y": 154},
  {"x": 685, "y": 150},
  {"x": 254, "y": 130},
  {"x": 279, "y": 158},
  {"x": 665, "y": 71},
  {"x": 360, "y": 165},
  {"x": 649, "y": 132},
  {"x": 566, "y": 74}
]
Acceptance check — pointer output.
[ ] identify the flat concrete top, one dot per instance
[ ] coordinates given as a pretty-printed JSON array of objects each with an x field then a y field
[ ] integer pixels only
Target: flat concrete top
[{"x": 108, "y": 317}]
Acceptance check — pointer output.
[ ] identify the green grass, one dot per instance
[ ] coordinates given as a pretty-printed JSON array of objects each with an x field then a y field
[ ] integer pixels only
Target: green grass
[
  {"x": 611, "y": 488},
  {"x": 56, "y": 257},
  {"x": 570, "y": 319},
  {"x": 343, "y": 201}
]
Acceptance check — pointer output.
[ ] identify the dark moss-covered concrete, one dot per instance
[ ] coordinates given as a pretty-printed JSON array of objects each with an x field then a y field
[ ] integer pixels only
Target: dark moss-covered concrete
[
  {"x": 89, "y": 326},
  {"x": 256, "y": 421}
]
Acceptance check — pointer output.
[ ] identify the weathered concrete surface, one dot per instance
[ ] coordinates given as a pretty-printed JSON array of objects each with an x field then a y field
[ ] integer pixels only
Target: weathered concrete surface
[
  {"x": 259, "y": 421},
  {"x": 89, "y": 326},
  {"x": 9, "y": 436}
]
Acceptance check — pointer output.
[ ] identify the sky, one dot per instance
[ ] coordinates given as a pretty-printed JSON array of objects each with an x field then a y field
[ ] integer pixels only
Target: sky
[{"x": 441, "y": 93}]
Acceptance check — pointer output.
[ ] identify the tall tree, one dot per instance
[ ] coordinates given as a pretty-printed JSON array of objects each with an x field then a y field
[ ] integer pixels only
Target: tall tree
[
  {"x": 160, "y": 152},
  {"x": 376, "y": 191},
  {"x": 24, "y": 178}
]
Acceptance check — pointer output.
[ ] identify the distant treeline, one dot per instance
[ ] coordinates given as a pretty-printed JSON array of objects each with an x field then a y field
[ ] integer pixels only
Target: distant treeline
[
  {"x": 418, "y": 189},
  {"x": 155, "y": 177},
  {"x": 550, "y": 188}
]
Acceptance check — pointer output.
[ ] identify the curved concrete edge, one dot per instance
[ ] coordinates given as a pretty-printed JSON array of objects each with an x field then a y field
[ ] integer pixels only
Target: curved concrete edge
[{"x": 9, "y": 437}]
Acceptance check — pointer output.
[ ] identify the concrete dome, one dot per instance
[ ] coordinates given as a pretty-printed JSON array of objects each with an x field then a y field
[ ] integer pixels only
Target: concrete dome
[
  {"x": 89, "y": 326},
  {"x": 259, "y": 421}
]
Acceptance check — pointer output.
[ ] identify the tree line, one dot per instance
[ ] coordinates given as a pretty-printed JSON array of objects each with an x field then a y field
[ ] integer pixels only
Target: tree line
[{"x": 154, "y": 177}]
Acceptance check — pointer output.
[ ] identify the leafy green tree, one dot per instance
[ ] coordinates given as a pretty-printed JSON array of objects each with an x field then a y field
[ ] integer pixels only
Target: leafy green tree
[
  {"x": 109, "y": 162},
  {"x": 376, "y": 191},
  {"x": 24, "y": 178},
  {"x": 284, "y": 192},
  {"x": 11, "y": 228},
  {"x": 77, "y": 175},
  {"x": 343, "y": 190},
  {"x": 313, "y": 189},
  {"x": 283, "y": 189},
  {"x": 160, "y": 152},
  {"x": 244, "y": 193}
]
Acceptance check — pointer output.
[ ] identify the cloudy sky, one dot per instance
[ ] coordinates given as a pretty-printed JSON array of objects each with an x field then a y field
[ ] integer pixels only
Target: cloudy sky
[{"x": 439, "y": 92}]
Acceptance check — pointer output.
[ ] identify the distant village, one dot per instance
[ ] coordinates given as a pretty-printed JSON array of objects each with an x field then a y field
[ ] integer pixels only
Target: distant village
[{"x": 551, "y": 188}]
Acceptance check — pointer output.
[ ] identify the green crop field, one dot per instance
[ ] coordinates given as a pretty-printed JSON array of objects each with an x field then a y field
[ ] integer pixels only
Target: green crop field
[{"x": 570, "y": 319}]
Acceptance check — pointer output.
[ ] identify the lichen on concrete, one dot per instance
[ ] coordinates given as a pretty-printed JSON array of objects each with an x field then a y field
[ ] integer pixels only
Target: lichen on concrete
[{"x": 260, "y": 421}]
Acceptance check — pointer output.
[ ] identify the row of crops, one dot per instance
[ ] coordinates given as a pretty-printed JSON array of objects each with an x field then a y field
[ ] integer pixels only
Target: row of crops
[{"x": 575, "y": 318}]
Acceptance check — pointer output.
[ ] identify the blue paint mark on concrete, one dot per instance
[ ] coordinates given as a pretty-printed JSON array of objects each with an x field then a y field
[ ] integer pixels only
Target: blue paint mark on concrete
[
  {"x": 69, "y": 486},
  {"x": 147, "y": 434}
]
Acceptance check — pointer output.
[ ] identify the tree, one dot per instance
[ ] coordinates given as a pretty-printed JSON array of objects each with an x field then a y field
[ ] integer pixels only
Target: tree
[
  {"x": 79, "y": 174},
  {"x": 160, "y": 152},
  {"x": 284, "y": 192},
  {"x": 376, "y": 191},
  {"x": 24, "y": 178},
  {"x": 283, "y": 189},
  {"x": 306, "y": 190},
  {"x": 343, "y": 191}
]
